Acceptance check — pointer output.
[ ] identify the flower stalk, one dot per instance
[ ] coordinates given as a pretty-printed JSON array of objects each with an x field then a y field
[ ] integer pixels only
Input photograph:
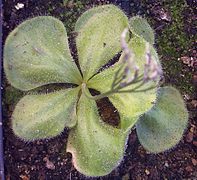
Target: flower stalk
[{"x": 128, "y": 73}]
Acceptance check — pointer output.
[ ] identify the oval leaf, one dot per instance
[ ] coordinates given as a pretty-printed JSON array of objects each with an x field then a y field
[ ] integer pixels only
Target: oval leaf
[
  {"x": 45, "y": 116},
  {"x": 85, "y": 17},
  {"x": 140, "y": 27},
  {"x": 37, "y": 53},
  {"x": 96, "y": 147},
  {"x": 162, "y": 127},
  {"x": 98, "y": 41}
]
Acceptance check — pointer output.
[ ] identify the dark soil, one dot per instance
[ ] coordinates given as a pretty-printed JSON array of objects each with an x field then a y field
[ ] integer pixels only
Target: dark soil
[{"x": 46, "y": 159}]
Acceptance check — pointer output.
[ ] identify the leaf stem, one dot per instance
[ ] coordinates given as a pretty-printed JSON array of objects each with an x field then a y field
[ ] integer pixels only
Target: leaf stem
[{"x": 117, "y": 89}]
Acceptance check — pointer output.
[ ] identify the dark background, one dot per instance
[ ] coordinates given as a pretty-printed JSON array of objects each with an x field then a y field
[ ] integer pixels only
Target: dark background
[{"x": 175, "y": 31}]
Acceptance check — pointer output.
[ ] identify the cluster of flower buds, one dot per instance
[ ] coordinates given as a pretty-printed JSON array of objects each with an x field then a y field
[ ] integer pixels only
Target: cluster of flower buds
[
  {"x": 131, "y": 69},
  {"x": 152, "y": 69}
]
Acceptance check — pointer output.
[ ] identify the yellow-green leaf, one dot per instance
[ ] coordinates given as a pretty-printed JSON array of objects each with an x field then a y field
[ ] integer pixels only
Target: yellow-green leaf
[
  {"x": 97, "y": 148},
  {"x": 37, "y": 53},
  {"x": 162, "y": 127},
  {"x": 140, "y": 27},
  {"x": 98, "y": 38},
  {"x": 46, "y": 115}
]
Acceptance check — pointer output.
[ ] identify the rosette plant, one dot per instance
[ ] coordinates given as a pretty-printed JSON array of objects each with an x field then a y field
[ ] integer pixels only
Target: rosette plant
[{"x": 36, "y": 53}]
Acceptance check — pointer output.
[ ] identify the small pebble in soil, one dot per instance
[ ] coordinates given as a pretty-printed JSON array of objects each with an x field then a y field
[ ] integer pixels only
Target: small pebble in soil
[
  {"x": 194, "y": 161},
  {"x": 189, "y": 169},
  {"x": 189, "y": 137},
  {"x": 19, "y": 6},
  {"x": 186, "y": 97},
  {"x": 194, "y": 103},
  {"x": 195, "y": 79},
  {"x": 126, "y": 177},
  {"x": 24, "y": 177},
  {"x": 195, "y": 143},
  {"x": 166, "y": 164},
  {"x": 147, "y": 172},
  {"x": 49, "y": 164},
  {"x": 161, "y": 14},
  {"x": 189, "y": 61}
]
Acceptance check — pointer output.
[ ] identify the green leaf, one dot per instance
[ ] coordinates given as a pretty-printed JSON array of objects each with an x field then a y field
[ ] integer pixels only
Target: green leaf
[
  {"x": 162, "y": 127},
  {"x": 37, "y": 53},
  {"x": 86, "y": 16},
  {"x": 129, "y": 105},
  {"x": 96, "y": 147},
  {"x": 45, "y": 116},
  {"x": 98, "y": 39},
  {"x": 140, "y": 27}
]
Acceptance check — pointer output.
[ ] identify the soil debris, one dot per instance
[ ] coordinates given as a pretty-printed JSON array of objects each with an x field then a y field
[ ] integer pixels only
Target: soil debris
[{"x": 49, "y": 164}]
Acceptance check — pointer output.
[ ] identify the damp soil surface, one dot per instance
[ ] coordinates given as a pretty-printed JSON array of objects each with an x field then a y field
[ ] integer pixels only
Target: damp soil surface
[{"x": 174, "y": 26}]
